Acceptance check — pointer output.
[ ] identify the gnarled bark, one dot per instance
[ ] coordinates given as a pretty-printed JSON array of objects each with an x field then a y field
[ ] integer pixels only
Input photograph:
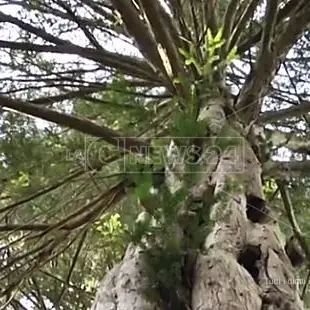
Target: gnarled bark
[
  {"x": 124, "y": 286},
  {"x": 242, "y": 263}
]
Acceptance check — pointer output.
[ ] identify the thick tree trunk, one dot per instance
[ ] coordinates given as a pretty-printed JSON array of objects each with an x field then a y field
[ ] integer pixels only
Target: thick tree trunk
[
  {"x": 242, "y": 264},
  {"x": 124, "y": 286}
]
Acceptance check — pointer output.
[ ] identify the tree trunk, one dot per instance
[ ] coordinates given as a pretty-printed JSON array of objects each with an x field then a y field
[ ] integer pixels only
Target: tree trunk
[{"x": 242, "y": 263}]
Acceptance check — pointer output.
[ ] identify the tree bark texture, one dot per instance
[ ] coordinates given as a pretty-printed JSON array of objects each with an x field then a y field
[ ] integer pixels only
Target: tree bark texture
[{"x": 242, "y": 263}]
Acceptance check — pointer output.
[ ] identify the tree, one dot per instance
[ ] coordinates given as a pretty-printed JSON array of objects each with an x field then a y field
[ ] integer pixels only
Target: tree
[{"x": 182, "y": 127}]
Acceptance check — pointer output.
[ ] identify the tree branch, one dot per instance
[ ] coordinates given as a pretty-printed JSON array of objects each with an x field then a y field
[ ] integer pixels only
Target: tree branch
[
  {"x": 241, "y": 24},
  {"x": 125, "y": 64},
  {"x": 139, "y": 30},
  {"x": 77, "y": 123},
  {"x": 229, "y": 20},
  {"x": 268, "y": 31},
  {"x": 286, "y": 169},
  {"x": 29, "y": 28},
  {"x": 80, "y": 23},
  {"x": 294, "y": 111},
  {"x": 256, "y": 85},
  {"x": 211, "y": 15},
  {"x": 291, "y": 217},
  {"x": 155, "y": 15},
  {"x": 288, "y": 140},
  {"x": 294, "y": 28},
  {"x": 283, "y": 13}
]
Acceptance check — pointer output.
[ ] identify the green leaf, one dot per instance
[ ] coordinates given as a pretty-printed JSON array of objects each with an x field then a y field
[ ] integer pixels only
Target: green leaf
[
  {"x": 218, "y": 37},
  {"x": 232, "y": 55},
  {"x": 215, "y": 45},
  {"x": 189, "y": 61},
  {"x": 142, "y": 190},
  {"x": 184, "y": 53},
  {"x": 209, "y": 36}
]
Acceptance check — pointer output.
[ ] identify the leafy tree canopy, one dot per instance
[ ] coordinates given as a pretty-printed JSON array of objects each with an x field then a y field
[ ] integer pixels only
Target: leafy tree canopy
[{"x": 95, "y": 80}]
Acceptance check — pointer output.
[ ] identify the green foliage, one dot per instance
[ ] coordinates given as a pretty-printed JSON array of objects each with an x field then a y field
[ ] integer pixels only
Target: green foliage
[
  {"x": 36, "y": 157},
  {"x": 270, "y": 187},
  {"x": 196, "y": 224},
  {"x": 113, "y": 237},
  {"x": 166, "y": 263},
  {"x": 167, "y": 206},
  {"x": 29, "y": 154},
  {"x": 211, "y": 60},
  {"x": 33, "y": 158},
  {"x": 158, "y": 228},
  {"x": 207, "y": 63},
  {"x": 117, "y": 107},
  {"x": 185, "y": 125}
]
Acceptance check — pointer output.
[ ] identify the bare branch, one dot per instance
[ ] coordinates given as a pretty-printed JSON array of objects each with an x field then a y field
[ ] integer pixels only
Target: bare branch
[
  {"x": 268, "y": 31},
  {"x": 155, "y": 15},
  {"x": 294, "y": 111},
  {"x": 73, "y": 265},
  {"x": 128, "y": 65},
  {"x": 256, "y": 85},
  {"x": 77, "y": 123},
  {"x": 80, "y": 23},
  {"x": 294, "y": 28},
  {"x": 285, "y": 169},
  {"x": 139, "y": 30},
  {"x": 257, "y": 82},
  {"x": 39, "y": 32},
  {"x": 241, "y": 24},
  {"x": 211, "y": 15},
  {"x": 291, "y": 217},
  {"x": 70, "y": 95},
  {"x": 91, "y": 210},
  {"x": 43, "y": 191},
  {"x": 290, "y": 140},
  {"x": 288, "y": 9},
  {"x": 229, "y": 20}
]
